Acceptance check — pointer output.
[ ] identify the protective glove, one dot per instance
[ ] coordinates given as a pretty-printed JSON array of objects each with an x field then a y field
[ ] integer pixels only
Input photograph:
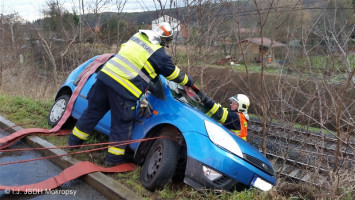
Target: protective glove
[
  {"x": 195, "y": 88},
  {"x": 144, "y": 109},
  {"x": 191, "y": 94}
]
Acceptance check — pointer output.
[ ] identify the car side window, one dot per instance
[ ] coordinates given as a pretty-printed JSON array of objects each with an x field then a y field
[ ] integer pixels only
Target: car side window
[{"x": 180, "y": 94}]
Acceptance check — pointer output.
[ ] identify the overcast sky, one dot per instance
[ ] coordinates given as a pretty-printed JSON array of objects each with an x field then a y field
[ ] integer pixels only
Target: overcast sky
[{"x": 31, "y": 9}]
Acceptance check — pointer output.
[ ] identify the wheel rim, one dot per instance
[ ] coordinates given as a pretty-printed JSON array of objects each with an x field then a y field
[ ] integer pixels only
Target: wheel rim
[
  {"x": 58, "y": 110},
  {"x": 154, "y": 163}
]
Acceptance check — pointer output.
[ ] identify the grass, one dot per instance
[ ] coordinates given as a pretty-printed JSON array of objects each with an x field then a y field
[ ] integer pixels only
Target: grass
[
  {"x": 321, "y": 65},
  {"x": 30, "y": 113},
  {"x": 25, "y": 111},
  {"x": 33, "y": 113}
]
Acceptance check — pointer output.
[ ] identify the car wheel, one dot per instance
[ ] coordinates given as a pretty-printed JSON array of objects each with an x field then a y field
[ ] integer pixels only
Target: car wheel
[
  {"x": 57, "y": 111},
  {"x": 160, "y": 164},
  {"x": 179, "y": 174}
]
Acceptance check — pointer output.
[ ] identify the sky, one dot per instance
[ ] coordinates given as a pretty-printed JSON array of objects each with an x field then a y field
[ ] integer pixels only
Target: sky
[{"x": 30, "y": 10}]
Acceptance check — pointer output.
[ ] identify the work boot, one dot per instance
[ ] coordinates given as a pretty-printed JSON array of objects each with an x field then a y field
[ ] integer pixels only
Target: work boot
[
  {"x": 111, "y": 161},
  {"x": 73, "y": 140}
]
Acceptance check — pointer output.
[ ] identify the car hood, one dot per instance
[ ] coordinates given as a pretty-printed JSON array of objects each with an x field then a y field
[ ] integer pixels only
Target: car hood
[
  {"x": 188, "y": 107},
  {"x": 244, "y": 146}
]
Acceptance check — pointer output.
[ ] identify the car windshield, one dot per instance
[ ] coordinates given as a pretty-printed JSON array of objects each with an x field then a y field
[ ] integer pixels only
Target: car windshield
[{"x": 179, "y": 92}]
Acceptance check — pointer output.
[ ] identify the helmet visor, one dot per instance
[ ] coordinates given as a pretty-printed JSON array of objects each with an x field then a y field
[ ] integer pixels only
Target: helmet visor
[{"x": 233, "y": 98}]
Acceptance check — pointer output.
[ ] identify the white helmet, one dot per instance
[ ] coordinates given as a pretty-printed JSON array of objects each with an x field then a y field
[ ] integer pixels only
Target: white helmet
[
  {"x": 243, "y": 102},
  {"x": 165, "y": 32}
]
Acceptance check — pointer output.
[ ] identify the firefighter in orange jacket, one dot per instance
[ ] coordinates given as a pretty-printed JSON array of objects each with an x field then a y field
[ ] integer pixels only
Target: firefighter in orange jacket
[
  {"x": 235, "y": 118},
  {"x": 122, "y": 81}
]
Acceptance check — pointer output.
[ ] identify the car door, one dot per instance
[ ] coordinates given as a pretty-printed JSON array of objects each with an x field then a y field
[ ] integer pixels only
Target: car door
[{"x": 81, "y": 104}]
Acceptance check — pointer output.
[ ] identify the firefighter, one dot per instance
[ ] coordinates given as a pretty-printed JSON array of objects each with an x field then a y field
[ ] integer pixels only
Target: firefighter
[
  {"x": 235, "y": 119},
  {"x": 122, "y": 81}
]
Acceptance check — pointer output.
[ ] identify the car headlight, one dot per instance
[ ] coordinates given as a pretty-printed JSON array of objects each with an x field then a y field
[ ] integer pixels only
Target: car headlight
[{"x": 222, "y": 138}]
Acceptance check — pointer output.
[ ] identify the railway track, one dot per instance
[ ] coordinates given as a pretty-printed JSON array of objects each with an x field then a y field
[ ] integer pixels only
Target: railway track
[
  {"x": 296, "y": 150},
  {"x": 303, "y": 156}
]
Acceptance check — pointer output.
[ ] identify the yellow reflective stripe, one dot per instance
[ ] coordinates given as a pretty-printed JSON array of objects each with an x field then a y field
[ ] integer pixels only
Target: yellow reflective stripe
[
  {"x": 78, "y": 133},
  {"x": 174, "y": 74},
  {"x": 213, "y": 110},
  {"x": 224, "y": 116},
  {"x": 122, "y": 66},
  {"x": 185, "y": 80},
  {"x": 134, "y": 67},
  {"x": 147, "y": 66},
  {"x": 237, "y": 132},
  {"x": 116, "y": 151},
  {"x": 121, "y": 71},
  {"x": 124, "y": 82}
]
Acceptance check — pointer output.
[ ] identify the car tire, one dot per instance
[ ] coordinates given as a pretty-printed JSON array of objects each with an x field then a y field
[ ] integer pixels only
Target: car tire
[
  {"x": 179, "y": 174},
  {"x": 160, "y": 164},
  {"x": 57, "y": 111}
]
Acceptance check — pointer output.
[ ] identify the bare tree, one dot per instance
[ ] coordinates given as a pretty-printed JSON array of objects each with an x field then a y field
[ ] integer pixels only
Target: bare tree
[
  {"x": 120, "y": 5},
  {"x": 264, "y": 12}
]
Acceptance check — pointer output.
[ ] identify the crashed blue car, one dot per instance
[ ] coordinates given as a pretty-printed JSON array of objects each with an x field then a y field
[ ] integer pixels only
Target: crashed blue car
[{"x": 202, "y": 153}]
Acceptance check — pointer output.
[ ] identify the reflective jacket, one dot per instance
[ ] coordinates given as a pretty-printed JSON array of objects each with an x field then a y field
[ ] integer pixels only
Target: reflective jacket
[
  {"x": 243, "y": 127},
  {"x": 234, "y": 121},
  {"x": 136, "y": 64}
]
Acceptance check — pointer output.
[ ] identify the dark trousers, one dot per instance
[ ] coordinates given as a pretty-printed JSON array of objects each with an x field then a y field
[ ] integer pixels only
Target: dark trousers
[{"x": 101, "y": 99}]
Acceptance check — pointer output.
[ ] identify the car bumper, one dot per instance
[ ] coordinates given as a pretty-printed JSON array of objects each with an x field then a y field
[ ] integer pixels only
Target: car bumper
[
  {"x": 198, "y": 179},
  {"x": 234, "y": 171},
  {"x": 201, "y": 176}
]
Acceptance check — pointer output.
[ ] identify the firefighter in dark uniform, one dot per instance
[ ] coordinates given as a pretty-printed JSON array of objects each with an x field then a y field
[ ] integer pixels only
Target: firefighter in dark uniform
[
  {"x": 235, "y": 118},
  {"x": 122, "y": 81}
]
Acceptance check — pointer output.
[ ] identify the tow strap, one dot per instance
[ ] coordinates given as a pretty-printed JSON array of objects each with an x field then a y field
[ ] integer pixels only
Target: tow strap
[{"x": 78, "y": 169}]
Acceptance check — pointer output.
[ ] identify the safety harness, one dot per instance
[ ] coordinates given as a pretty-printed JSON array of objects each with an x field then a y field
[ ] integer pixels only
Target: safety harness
[{"x": 78, "y": 169}]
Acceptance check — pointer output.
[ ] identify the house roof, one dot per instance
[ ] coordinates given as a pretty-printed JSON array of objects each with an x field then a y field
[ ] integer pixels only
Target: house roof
[{"x": 266, "y": 42}]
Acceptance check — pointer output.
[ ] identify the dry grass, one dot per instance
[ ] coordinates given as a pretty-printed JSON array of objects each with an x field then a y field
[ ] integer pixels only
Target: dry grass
[
  {"x": 28, "y": 82},
  {"x": 32, "y": 82}
]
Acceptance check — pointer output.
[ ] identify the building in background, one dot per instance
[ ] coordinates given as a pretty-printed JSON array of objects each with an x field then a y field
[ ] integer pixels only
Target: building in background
[{"x": 255, "y": 49}]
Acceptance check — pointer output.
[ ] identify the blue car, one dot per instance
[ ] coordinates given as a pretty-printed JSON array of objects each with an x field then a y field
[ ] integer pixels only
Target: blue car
[{"x": 199, "y": 150}]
